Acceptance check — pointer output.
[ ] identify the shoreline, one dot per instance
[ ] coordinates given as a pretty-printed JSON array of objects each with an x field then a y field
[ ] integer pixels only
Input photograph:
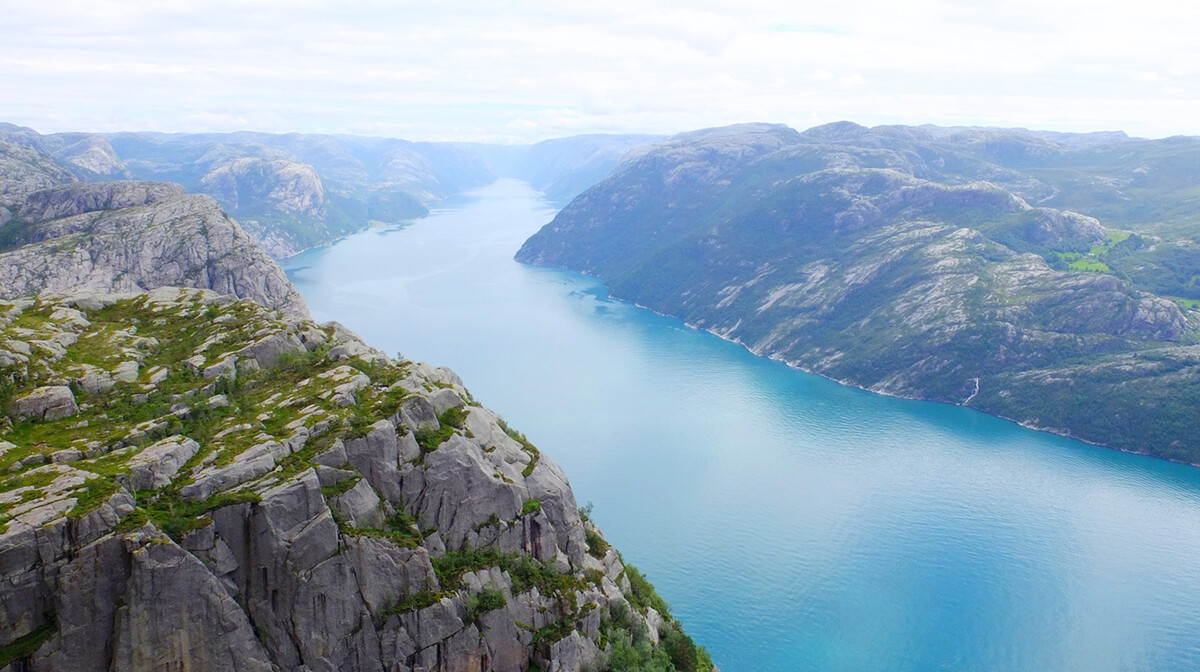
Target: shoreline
[{"x": 799, "y": 367}]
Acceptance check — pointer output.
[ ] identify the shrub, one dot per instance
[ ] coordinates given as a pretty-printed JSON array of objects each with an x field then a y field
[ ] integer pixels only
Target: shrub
[
  {"x": 596, "y": 544},
  {"x": 488, "y": 599}
]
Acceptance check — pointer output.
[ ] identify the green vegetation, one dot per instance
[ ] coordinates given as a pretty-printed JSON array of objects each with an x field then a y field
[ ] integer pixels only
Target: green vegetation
[
  {"x": 27, "y": 645},
  {"x": 642, "y": 594},
  {"x": 450, "y": 420},
  {"x": 95, "y": 492},
  {"x": 407, "y": 603},
  {"x": 526, "y": 572},
  {"x": 451, "y": 566},
  {"x": 176, "y": 516},
  {"x": 1081, "y": 262},
  {"x": 921, "y": 287},
  {"x": 488, "y": 599},
  {"x": 295, "y": 390},
  {"x": 597, "y": 546},
  {"x": 1192, "y": 304},
  {"x": 290, "y": 412},
  {"x": 632, "y": 651},
  {"x": 340, "y": 488},
  {"x": 401, "y": 529}
]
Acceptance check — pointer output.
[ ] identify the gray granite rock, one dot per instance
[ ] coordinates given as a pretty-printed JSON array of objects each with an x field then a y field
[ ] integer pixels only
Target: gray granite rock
[
  {"x": 156, "y": 630},
  {"x": 154, "y": 236},
  {"x": 47, "y": 403},
  {"x": 156, "y": 464}
]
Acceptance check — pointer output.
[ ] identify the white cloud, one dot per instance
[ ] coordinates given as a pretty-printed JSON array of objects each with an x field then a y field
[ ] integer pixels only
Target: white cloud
[{"x": 525, "y": 70}]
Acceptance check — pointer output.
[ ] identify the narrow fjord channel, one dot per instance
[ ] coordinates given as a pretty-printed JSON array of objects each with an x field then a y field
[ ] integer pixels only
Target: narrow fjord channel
[{"x": 791, "y": 523}]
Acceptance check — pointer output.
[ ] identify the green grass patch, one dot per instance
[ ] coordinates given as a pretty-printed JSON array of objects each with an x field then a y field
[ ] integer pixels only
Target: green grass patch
[
  {"x": 1110, "y": 241},
  {"x": 1193, "y": 304},
  {"x": 531, "y": 506},
  {"x": 1089, "y": 265},
  {"x": 450, "y": 420},
  {"x": 406, "y": 603},
  {"x": 176, "y": 516},
  {"x": 94, "y": 493},
  {"x": 401, "y": 529},
  {"x": 451, "y": 566},
  {"x": 340, "y": 488},
  {"x": 25, "y": 646}
]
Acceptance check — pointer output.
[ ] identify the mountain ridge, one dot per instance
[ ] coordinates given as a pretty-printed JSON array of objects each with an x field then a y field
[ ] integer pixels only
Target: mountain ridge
[{"x": 844, "y": 257}]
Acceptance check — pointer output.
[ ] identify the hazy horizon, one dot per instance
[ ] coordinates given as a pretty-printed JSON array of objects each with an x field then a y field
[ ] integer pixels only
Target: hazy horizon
[
  {"x": 529, "y": 71},
  {"x": 518, "y": 143}
]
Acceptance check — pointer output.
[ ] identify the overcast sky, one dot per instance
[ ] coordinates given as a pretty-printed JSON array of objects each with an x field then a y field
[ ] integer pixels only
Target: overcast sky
[{"x": 525, "y": 71}]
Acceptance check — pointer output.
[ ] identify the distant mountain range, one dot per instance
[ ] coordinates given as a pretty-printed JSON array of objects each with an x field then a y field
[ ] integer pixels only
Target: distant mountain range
[
  {"x": 1044, "y": 277},
  {"x": 295, "y": 191}
]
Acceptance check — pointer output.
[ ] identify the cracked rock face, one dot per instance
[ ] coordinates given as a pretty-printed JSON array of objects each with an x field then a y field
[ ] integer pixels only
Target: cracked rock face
[
  {"x": 47, "y": 403},
  {"x": 299, "y": 511}
]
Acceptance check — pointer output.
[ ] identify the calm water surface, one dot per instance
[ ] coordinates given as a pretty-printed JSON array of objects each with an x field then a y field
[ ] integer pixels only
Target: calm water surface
[{"x": 791, "y": 523}]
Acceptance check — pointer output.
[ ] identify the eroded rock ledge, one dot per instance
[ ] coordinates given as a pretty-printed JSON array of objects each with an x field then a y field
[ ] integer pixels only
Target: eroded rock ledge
[{"x": 191, "y": 482}]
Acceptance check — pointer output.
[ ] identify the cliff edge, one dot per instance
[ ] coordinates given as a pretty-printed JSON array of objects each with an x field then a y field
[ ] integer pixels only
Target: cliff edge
[{"x": 192, "y": 482}]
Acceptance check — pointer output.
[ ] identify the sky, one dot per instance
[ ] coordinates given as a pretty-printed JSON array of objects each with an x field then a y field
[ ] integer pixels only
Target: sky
[{"x": 523, "y": 71}]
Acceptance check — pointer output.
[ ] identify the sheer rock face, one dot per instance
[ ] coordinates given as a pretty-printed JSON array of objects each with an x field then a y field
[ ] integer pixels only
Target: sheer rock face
[
  {"x": 133, "y": 236},
  {"x": 315, "y": 506},
  {"x": 878, "y": 258}
]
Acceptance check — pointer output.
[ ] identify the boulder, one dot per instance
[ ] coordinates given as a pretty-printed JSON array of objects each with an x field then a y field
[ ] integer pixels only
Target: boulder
[
  {"x": 47, "y": 403},
  {"x": 153, "y": 468}
]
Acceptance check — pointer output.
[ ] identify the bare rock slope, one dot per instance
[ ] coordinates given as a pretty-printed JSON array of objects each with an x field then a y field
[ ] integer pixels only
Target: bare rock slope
[{"x": 134, "y": 236}]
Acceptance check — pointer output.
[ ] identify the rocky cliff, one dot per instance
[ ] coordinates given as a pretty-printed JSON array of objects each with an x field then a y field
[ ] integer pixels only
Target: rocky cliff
[
  {"x": 128, "y": 236},
  {"x": 877, "y": 257},
  {"x": 190, "y": 482}
]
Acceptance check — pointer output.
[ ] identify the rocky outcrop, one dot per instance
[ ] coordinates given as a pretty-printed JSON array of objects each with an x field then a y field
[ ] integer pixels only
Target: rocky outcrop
[
  {"x": 132, "y": 236},
  {"x": 24, "y": 170},
  {"x": 46, "y": 403},
  {"x": 829, "y": 251},
  {"x": 81, "y": 198},
  {"x": 313, "y": 506}
]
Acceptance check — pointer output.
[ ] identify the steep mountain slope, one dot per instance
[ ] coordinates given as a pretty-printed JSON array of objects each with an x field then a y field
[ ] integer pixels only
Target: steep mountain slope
[
  {"x": 133, "y": 236},
  {"x": 191, "y": 482},
  {"x": 876, "y": 257}
]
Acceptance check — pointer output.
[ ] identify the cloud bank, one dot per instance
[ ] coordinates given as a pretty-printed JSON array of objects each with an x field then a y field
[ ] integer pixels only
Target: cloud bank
[{"x": 521, "y": 71}]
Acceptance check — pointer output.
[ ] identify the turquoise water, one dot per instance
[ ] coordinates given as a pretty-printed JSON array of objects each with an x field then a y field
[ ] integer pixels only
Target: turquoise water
[{"x": 791, "y": 523}]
